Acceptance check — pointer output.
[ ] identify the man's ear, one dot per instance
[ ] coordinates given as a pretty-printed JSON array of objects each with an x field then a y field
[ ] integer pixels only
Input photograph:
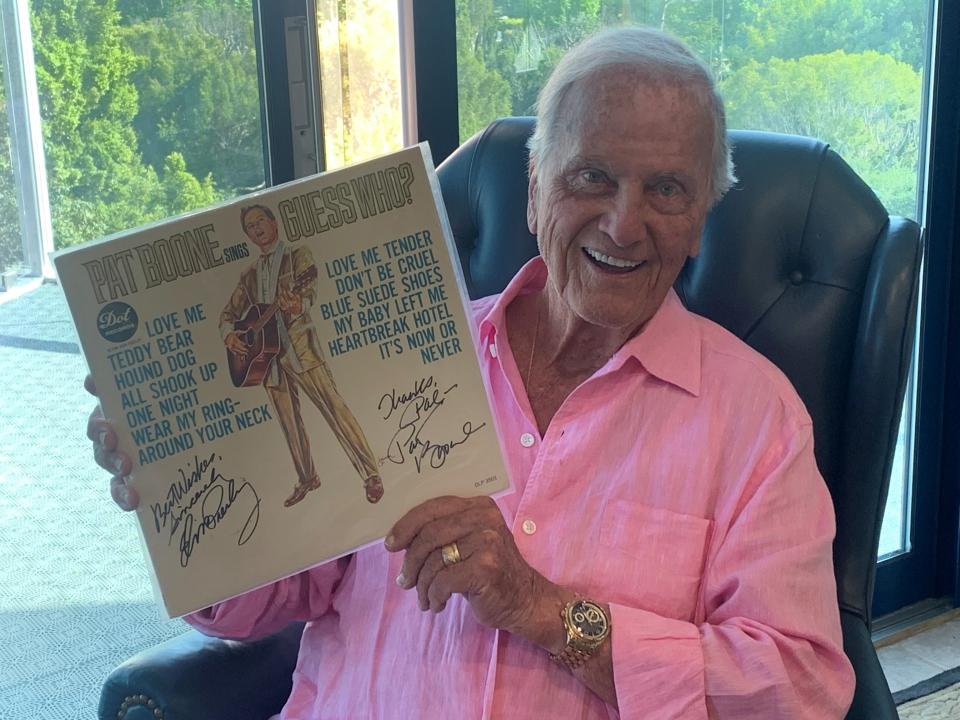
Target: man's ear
[
  {"x": 695, "y": 245},
  {"x": 532, "y": 188}
]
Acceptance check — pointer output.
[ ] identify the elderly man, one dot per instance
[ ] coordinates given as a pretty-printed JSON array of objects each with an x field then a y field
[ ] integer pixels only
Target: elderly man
[{"x": 667, "y": 551}]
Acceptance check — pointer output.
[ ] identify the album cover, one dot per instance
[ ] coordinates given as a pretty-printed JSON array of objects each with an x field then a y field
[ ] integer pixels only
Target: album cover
[{"x": 290, "y": 372}]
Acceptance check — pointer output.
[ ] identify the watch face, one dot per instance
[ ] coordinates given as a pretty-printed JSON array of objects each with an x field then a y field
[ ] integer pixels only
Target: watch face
[{"x": 589, "y": 619}]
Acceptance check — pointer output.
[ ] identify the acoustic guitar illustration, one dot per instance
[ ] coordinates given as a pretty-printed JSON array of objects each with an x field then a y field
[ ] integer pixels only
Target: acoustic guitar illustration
[{"x": 258, "y": 330}]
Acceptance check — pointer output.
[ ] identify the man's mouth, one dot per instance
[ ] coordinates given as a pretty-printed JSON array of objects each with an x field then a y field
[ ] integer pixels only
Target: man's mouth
[{"x": 611, "y": 263}]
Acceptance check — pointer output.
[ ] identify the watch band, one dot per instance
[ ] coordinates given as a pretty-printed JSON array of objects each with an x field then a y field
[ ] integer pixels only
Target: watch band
[{"x": 570, "y": 657}]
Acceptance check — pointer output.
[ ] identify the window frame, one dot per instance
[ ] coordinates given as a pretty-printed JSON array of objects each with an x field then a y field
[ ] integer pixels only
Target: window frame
[{"x": 931, "y": 568}]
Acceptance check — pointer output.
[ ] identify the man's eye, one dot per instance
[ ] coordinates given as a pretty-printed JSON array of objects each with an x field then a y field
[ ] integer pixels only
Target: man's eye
[
  {"x": 593, "y": 176},
  {"x": 668, "y": 189}
]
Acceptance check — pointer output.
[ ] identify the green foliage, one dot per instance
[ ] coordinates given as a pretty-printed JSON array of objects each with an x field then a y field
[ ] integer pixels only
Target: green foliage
[
  {"x": 791, "y": 29},
  {"x": 182, "y": 191},
  {"x": 847, "y": 71},
  {"x": 198, "y": 94},
  {"x": 11, "y": 245},
  {"x": 147, "y": 115},
  {"x": 11, "y": 252},
  {"x": 151, "y": 107},
  {"x": 482, "y": 93},
  {"x": 866, "y": 105},
  {"x": 134, "y": 11},
  {"x": 87, "y": 101}
]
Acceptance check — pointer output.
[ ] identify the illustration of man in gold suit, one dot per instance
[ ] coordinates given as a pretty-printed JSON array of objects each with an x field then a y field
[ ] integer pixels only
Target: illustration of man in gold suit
[{"x": 299, "y": 365}]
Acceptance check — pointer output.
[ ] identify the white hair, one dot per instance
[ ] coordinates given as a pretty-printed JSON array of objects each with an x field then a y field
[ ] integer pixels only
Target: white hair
[{"x": 656, "y": 56}]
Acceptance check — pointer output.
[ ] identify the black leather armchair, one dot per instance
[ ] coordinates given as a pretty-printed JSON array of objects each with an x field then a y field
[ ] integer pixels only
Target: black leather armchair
[{"x": 800, "y": 260}]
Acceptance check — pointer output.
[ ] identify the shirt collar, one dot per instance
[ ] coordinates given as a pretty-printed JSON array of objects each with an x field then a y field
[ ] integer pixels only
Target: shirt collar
[
  {"x": 668, "y": 347},
  {"x": 530, "y": 278}
]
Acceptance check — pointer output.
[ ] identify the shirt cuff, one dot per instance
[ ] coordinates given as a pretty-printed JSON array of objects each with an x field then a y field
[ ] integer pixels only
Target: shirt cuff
[{"x": 658, "y": 666}]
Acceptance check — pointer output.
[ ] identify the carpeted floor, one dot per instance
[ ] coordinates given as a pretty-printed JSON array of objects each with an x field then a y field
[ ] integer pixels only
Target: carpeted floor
[
  {"x": 935, "y": 699},
  {"x": 75, "y": 597}
]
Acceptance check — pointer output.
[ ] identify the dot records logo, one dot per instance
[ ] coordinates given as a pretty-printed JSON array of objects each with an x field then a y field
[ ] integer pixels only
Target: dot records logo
[{"x": 117, "y": 322}]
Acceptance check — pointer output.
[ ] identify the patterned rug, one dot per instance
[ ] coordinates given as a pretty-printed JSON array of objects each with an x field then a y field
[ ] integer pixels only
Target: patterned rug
[
  {"x": 75, "y": 597},
  {"x": 935, "y": 699}
]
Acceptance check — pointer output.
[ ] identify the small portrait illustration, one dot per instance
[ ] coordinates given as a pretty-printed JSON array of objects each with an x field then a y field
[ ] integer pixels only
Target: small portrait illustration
[{"x": 271, "y": 341}]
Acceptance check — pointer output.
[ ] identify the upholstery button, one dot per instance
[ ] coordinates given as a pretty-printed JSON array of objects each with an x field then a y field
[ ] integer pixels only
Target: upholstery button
[
  {"x": 493, "y": 349},
  {"x": 796, "y": 277},
  {"x": 529, "y": 527},
  {"x": 527, "y": 440}
]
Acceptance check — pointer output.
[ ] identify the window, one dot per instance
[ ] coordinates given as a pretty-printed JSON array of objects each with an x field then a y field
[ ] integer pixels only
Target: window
[
  {"x": 358, "y": 43},
  {"x": 850, "y": 72},
  {"x": 119, "y": 112}
]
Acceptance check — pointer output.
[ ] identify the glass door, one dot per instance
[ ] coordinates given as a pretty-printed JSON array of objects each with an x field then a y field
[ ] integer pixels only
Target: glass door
[{"x": 116, "y": 113}]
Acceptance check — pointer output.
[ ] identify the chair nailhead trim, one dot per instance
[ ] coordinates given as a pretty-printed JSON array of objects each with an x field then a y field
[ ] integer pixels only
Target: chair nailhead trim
[{"x": 131, "y": 700}]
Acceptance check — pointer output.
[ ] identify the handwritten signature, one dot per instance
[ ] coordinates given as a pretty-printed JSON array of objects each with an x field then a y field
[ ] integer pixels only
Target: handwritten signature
[
  {"x": 198, "y": 501},
  {"x": 415, "y": 408}
]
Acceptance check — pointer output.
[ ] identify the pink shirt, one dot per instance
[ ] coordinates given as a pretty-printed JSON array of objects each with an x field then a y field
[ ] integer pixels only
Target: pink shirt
[{"x": 677, "y": 484}]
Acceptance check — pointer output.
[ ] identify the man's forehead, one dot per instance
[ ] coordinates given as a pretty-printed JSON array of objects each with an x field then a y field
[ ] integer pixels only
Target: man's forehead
[
  {"x": 255, "y": 215},
  {"x": 593, "y": 99},
  {"x": 614, "y": 104}
]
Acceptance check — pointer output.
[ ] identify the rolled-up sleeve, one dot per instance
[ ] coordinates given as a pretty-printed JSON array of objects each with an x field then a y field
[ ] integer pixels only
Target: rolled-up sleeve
[
  {"x": 266, "y": 610},
  {"x": 770, "y": 644}
]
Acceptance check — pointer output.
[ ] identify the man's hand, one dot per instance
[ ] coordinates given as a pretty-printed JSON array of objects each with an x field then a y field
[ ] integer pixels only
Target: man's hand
[
  {"x": 235, "y": 344},
  {"x": 503, "y": 590},
  {"x": 289, "y": 302},
  {"x": 107, "y": 456}
]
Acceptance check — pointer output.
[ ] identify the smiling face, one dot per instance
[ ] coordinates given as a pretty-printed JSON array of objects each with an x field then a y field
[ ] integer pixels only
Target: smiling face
[
  {"x": 261, "y": 230},
  {"x": 620, "y": 204}
]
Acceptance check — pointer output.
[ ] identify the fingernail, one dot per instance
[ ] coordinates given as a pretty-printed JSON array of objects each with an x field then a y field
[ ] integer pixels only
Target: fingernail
[
  {"x": 103, "y": 437},
  {"x": 118, "y": 464},
  {"x": 389, "y": 541},
  {"x": 401, "y": 579},
  {"x": 124, "y": 494}
]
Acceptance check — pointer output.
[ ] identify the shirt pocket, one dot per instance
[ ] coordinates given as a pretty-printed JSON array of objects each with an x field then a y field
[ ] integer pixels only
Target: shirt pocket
[{"x": 650, "y": 558}]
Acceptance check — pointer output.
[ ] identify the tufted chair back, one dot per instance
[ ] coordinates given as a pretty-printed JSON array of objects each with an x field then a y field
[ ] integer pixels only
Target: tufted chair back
[{"x": 802, "y": 262}]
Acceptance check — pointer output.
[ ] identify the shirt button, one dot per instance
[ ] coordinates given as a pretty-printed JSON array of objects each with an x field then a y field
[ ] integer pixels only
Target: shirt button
[
  {"x": 493, "y": 349},
  {"x": 529, "y": 527},
  {"x": 527, "y": 440}
]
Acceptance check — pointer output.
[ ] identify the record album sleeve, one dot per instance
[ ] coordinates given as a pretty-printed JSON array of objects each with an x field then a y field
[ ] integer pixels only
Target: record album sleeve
[{"x": 290, "y": 373}]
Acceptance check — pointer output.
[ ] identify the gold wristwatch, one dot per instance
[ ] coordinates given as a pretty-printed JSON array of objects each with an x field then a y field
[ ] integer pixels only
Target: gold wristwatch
[{"x": 588, "y": 626}]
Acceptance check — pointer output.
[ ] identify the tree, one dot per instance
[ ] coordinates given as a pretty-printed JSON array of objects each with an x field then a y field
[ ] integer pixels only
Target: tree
[
  {"x": 866, "y": 105},
  {"x": 198, "y": 94},
  {"x": 135, "y": 11},
  {"x": 11, "y": 245},
  {"x": 96, "y": 180},
  {"x": 781, "y": 65},
  {"x": 182, "y": 191},
  {"x": 482, "y": 92},
  {"x": 88, "y": 101},
  {"x": 790, "y": 29}
]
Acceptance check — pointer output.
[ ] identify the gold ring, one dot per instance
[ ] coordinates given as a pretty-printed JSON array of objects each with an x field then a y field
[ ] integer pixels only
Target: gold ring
[{"x": 450, "y": 554}]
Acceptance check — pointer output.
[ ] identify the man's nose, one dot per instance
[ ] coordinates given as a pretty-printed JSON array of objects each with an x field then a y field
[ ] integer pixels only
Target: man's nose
[{"x": 624, "y": 221}]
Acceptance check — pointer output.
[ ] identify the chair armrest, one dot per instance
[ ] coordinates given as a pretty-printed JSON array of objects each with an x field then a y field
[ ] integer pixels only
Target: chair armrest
[
  {"x": 195, "y": 676},
  {"x": 872, "y": 699}
]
